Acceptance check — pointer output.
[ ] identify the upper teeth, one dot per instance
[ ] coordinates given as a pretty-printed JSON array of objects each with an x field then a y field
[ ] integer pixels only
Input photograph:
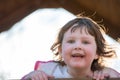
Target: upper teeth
[{"x": 77, "y": 55}]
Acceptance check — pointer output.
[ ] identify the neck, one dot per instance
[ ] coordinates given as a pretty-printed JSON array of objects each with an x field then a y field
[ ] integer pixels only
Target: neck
[{"x": 80, "y": 73}]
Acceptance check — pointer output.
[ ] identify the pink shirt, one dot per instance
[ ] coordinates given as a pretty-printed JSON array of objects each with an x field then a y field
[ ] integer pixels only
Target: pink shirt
[{"x": 52, "y": 68}]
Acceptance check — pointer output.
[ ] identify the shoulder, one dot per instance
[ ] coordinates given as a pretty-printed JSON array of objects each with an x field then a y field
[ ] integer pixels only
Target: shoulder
[
  {"x": 46, "y": 66},
  {"x": 40, "y": 64},
  {"x": 111, "y": 72}
]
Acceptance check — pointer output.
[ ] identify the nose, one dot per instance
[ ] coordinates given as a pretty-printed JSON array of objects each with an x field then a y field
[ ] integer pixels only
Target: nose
[{"x": 78, "y": 46}]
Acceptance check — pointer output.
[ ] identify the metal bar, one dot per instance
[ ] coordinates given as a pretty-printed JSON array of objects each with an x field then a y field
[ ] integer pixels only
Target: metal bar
[{"x": 83, "y": 79}]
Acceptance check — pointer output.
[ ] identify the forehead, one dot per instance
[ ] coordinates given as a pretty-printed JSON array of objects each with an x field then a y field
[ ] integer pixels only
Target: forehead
[
  {"x": 78, "y": 33},
  {"x": 80, "y": 28}
]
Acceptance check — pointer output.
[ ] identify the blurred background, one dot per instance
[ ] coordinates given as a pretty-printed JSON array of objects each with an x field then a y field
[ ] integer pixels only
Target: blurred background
[{"x": 29, "y": 27}]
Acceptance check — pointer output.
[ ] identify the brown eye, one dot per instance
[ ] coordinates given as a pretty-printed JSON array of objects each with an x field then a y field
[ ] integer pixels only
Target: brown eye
[
  {"x": 70, "y": 41},
  {"x": 85, "y": 42}
]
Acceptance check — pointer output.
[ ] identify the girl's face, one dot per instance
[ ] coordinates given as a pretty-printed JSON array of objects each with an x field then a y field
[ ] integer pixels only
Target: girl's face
[{"x": 78, "y": 49}]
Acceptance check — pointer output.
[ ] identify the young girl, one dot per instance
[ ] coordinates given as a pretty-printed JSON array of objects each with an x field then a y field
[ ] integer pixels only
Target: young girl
[{"x": 79, "y": 50}]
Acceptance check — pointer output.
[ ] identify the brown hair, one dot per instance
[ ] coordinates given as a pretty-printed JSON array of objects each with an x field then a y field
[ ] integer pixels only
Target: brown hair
[{"x": 95, "y": 30}]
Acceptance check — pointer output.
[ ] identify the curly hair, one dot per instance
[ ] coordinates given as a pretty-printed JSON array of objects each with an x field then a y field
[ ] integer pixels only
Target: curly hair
[{"x": 94, "y": 29}]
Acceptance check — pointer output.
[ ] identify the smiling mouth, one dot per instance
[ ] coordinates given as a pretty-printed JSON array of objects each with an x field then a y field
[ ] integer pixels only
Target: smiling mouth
[{"x": 78, "y": 55}]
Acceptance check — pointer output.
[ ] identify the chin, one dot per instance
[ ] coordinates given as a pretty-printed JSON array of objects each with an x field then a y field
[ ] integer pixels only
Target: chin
[{"x": 78, "y": 66}]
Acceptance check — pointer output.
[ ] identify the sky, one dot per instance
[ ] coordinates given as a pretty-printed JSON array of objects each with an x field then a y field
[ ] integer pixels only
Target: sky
[{"x": 30, "y": 39}]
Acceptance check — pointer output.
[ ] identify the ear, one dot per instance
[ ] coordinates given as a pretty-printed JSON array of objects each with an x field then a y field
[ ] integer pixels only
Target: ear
[
  {"x": 60, "y": 53},
  {"x": 96, "y": 56},
  {"x": 59, "y": 49}
]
